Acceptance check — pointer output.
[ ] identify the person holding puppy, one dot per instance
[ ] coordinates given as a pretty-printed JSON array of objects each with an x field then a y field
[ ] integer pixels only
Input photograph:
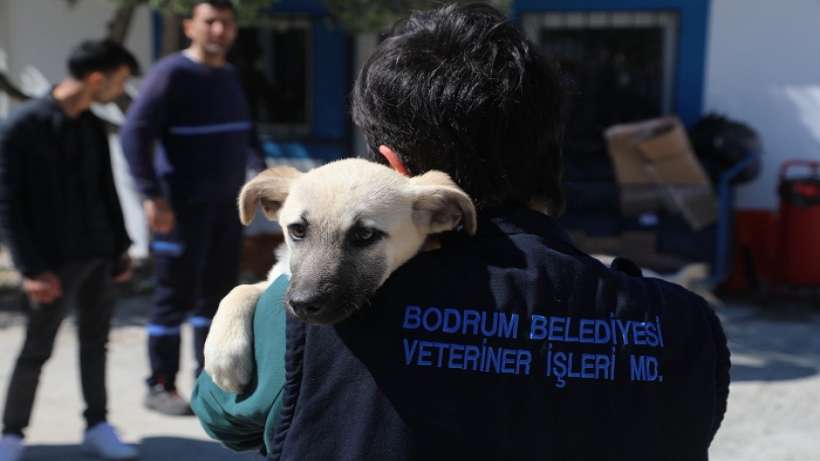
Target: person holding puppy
[
  {"x": 61, "y": 219},
  {"x": 512, "y": 344},
  {"x": 193, "y": 104}
]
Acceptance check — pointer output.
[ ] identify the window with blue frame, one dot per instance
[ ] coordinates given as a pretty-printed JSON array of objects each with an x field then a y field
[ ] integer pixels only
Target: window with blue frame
[
  {"x": 273, "y": 60},
  {"x": 621, "y": 65}
]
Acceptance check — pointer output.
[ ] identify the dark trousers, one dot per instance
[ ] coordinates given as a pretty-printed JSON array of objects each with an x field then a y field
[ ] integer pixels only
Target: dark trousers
[
  {"x": 196, "y": 266},
  {"x": 88, "y": 286}
]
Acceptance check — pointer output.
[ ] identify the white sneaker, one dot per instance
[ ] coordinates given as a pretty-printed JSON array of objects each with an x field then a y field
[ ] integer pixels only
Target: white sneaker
[
  {"x": 102, "y": 441},
  {"x": 11, "y": 448}
]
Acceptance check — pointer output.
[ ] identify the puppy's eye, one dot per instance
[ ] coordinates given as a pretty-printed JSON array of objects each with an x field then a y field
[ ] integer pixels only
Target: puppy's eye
[
  {"x": 297, "y": 231},
  {"x": 365, "y": 235}
]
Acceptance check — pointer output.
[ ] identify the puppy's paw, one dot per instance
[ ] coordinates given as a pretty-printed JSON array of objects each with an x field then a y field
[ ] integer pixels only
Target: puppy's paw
[
  {"x": 229, "y": 347},
  {"x": 230, "y": 365}
]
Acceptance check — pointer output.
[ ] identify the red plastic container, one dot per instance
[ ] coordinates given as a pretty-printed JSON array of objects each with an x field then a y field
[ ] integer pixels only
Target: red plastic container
[{"x": 799, "y": 224}]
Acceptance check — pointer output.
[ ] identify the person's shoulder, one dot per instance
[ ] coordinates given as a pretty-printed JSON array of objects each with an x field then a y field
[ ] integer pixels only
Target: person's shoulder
[
  {"x": 161, "y": 76},
  {"x": 35, "y": 107},
  {"x": 676, "y": 294},
  {"x": 681, "y": 307},
  {"x": 30, "y": 112},
  {"x": 170, "y": 62},
  {"x": 634, "y": 279},
  {"x": 168, "y": 66}
]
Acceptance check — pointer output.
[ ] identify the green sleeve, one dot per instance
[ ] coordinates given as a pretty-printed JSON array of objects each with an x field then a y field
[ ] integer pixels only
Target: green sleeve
[{"x": 244, "y": 422}]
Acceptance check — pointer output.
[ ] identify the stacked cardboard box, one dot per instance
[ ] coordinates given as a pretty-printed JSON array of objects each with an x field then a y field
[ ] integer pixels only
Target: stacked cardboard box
[{"x": 657, "y": 170}]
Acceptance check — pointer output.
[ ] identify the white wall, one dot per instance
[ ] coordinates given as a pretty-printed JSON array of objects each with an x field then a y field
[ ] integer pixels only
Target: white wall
[
  {"x": 763, "y": 68},
  {"x": 4, "y": 100},
  {"x": 40, "y": 33},
  {"x": 3, "y": 19}
]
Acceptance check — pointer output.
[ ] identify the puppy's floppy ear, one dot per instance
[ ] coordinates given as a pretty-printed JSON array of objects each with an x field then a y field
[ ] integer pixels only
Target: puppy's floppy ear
[
  {"x": 440, "y": 205},
  {"x": 268, "y": 189}
]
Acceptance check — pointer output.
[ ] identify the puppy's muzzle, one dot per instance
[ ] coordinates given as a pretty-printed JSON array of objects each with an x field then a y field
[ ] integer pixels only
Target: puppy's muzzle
[
  {"x": 313, "y": 308},
  {"x": 306, "y": 305}
]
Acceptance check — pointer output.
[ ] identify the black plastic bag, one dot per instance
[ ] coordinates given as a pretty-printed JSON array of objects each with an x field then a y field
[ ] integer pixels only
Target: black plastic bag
[{"x": 720, "y": 143}]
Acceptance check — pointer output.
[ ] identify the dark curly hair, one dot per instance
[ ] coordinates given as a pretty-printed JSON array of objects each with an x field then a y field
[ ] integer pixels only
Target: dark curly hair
[{"x": 460, "y": 89}]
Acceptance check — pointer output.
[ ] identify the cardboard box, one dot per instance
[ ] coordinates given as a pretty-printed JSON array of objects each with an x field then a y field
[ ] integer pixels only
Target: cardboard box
[{"x": 656, "y": 168}]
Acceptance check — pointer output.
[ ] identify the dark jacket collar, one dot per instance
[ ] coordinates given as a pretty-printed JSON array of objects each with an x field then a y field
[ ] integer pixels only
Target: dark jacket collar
[{"x": 520, "y": 220}]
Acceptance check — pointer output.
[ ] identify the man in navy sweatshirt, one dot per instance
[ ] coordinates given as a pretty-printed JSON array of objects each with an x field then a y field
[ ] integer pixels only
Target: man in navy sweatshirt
[{"x": 193, "y": 104}]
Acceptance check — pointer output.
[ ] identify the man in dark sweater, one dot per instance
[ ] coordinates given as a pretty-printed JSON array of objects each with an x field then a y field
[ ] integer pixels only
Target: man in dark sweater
[
  {"x": 193, "y": 104},
  {"x": 62, "y": 222},
  {"x": 508, "y": 345}
]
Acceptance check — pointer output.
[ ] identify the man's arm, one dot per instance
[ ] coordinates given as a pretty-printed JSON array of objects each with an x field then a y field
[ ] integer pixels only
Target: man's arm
[
  {"x": 112, "y": 197},
  {"x": 709, "y": 360},
  {"x": 14, "y": 140},
  {"x": 723, "y": 365},
  {"x": 245, "y": 422},
  {"x": 144, "y": 123},
  {"x": 143, "y": 126}
]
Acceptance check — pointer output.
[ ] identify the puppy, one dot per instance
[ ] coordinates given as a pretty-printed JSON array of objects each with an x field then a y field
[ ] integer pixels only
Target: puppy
[{"x": 348, "y": 225}]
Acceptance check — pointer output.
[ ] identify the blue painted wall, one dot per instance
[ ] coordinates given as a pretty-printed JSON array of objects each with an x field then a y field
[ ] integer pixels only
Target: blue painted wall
[
  {"x": 330, "y": 135},
  {"x": 692, "y": 39},
  {"x": 331, "y": 75}
]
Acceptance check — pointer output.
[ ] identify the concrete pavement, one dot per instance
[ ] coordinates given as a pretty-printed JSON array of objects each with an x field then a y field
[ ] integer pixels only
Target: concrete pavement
[
  {"x": 773, "y": 414},
  {"x": 774, "y": 401},
  {"x": 56, "y": 427}
]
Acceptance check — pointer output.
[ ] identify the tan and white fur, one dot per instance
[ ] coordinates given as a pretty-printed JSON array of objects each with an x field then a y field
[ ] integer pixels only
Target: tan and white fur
[{"x": 348, "y": 225}]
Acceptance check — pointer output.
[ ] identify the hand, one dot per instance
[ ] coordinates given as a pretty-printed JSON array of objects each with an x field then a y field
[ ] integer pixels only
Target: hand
[
  {"x": 43, "y": 288},
  {"x": 159, "y": 214},
  {"x": 125, "y": 270}
]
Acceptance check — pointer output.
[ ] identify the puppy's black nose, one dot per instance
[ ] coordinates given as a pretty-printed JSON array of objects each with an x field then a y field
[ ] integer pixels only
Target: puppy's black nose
[{"x": 302, "y": 306}]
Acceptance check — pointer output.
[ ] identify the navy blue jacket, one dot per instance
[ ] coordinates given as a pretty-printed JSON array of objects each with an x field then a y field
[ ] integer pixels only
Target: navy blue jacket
[
  {"x": 201, "y": 118},
  {"x": 509, "y": 345}
]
